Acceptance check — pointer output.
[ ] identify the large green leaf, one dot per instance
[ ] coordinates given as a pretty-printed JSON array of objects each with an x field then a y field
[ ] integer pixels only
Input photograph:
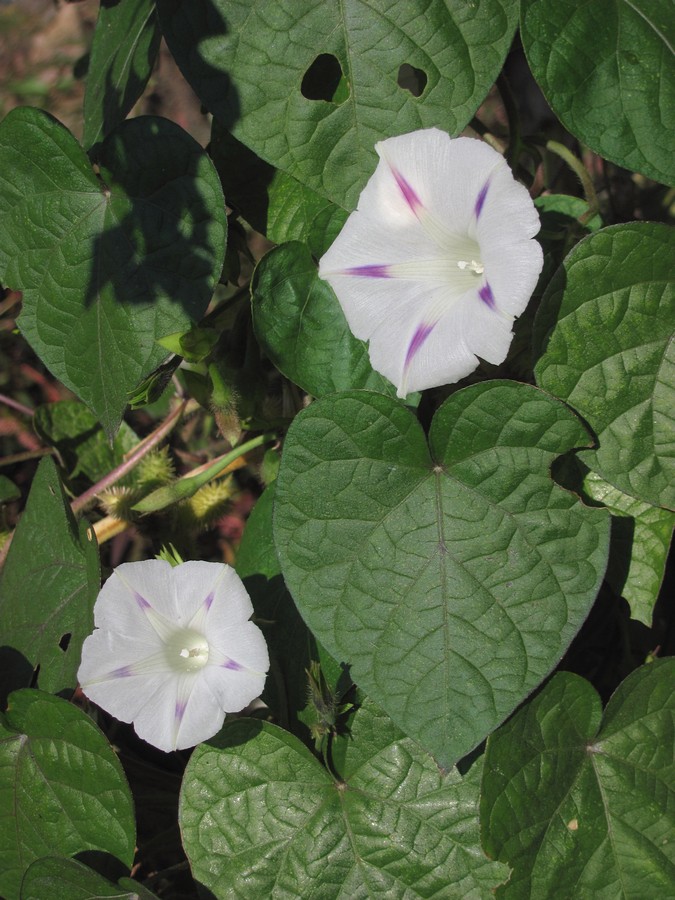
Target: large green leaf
[
  {"x": 62, "y": 788},
  {"x": 49, "y": 584},
  {"x": 301, "y": 327},
  {"x": 123, "y": 52},
  {"x": 257, "y": 66},
  {"x": 107, "y": 263},
  {"x": 603, "y": 335},
  {"x": 451, "y": 577},
  {"x": 581, "y": 804},
  {"x": 66, "y": 879},
  {"x": 606, "y": 68},
  {"x": 261, "y": 817}
]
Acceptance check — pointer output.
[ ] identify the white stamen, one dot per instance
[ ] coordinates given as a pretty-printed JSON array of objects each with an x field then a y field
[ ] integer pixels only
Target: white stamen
[{"x": 474, "y": 266}]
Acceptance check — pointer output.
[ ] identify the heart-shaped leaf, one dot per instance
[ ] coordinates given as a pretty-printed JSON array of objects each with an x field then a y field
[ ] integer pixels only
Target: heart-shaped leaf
[
  {"x": 62, "y": 788},
  {"x": 582, "y": 807},
  {"x": 301, "y": 327},
  {"x": 107, "y": 264},
  {"x": 606, "y": 68},
  {"x": 335, "y": 75},
  {"x": 451, "y": 578},
  {"x": 261, "y": 817},
  {"x": 604, "y": 337},
  {"x": 59, "y": 560}
]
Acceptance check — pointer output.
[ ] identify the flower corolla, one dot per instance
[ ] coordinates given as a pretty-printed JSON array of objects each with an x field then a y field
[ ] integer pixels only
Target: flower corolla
[
  {"x": 437, "y": 260},
  {"x": 173, "y": 650}
]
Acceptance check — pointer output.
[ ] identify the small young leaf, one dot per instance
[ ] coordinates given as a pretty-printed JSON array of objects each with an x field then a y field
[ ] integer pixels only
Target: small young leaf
[
  {"x": 261, "y": 817},
  {"x": 603, "y": 338},
  {"x": 57, "y": 561},
  {"x": 62, "y": 788},
  {"x": 452, "y": 577},
  {"x": 578, "y": 806}
]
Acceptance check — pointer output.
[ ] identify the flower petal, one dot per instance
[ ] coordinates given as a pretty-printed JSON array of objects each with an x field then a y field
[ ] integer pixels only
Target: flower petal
[
  {"x": 104, "y": 653},
  {"x": 198, "y": 716},
  {"x": 217, "y": 587},
  {"x": 127, "y": 697},
  {"x": 129, "y": 591},
  {"x": 234, "y": 689},
  {"x": 239, "y": 647}
]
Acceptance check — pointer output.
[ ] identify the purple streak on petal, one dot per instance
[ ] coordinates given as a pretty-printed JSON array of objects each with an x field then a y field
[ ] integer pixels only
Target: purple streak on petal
[
  {"x": 480, "y": 199},
  {"x": 180, "y": 709},
  {"x": 122, "y": 672},
  {"x": 409, "y": 194},
  {"x": 142, "y": 602},
  {"x": 208, "y": 601},
  {"x": 421, "y": 334},
  {"x": 486, "y": 295},
  {"x": 232, "y": 664},
  {"x": 374, "y": 271}
]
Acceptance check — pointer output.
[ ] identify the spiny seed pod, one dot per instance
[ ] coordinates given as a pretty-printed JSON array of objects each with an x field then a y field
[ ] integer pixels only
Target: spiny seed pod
[
  {"x": 210, "y": 502},
  {"x": 117, "y": 502},
  {"x": 155, "y": 470}
]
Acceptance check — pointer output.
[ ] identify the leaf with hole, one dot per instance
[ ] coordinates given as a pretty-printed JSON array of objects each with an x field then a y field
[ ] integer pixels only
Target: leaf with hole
[
  {"x": 606, "y": 68},
  {"x": 107, "y": 263},
  {"x": 62, "y": 788},
  {"x": 58, "y": 560},
  {"x": 604, "y": 344},
  {"x": 452, "y": 575},
  {"x": 338, "y": 77},
  {"x": 261, "y": 817},
  {"x": 579, "y": 802}
]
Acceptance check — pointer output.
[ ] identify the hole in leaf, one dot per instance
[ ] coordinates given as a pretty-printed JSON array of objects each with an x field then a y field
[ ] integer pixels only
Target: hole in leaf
[
  {"x": 65, "y": 641},
  {"x": 324, "y": 80},
  {"x": 412, "y": 79},
  {"x": 35, "y": 676}
]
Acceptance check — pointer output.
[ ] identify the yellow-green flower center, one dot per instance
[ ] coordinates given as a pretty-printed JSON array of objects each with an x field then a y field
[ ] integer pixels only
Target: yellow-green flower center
[{"x": 187, "y": 650}]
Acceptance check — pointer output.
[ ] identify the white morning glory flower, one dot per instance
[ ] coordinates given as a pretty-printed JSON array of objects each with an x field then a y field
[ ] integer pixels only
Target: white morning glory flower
[
  {"x": 437, "y": 260},
  {"x": 173, "y": 650}
]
